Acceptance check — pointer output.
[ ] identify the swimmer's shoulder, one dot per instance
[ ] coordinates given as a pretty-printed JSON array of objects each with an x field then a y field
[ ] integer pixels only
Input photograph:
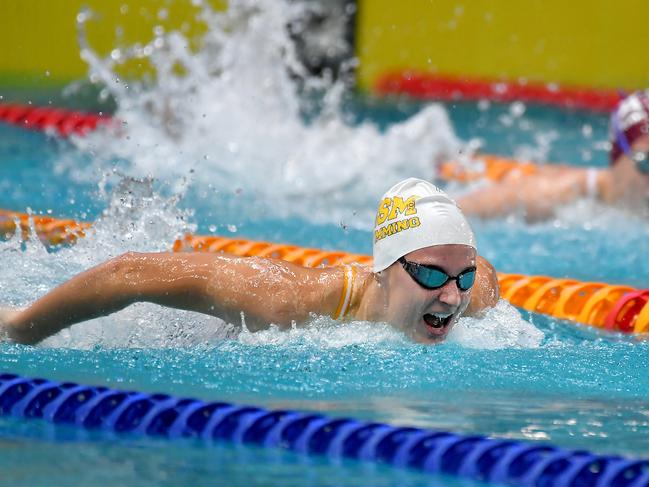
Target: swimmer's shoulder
[{"x": 350, "y": 281}]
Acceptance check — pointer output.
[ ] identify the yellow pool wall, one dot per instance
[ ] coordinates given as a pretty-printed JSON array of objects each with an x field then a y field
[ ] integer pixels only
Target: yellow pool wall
[{"x": 590, "y": 43}]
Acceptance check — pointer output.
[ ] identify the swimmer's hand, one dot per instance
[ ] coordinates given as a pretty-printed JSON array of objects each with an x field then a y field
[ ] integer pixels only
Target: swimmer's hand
[{"x": 7, "y": 315}]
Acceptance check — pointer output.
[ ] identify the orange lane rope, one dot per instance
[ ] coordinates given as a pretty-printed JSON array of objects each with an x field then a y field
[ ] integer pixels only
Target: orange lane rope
[
  {"x": 606, "y": 306},
  {"x": 484, "y": 166},
  {"x": 50, "y": 230}
]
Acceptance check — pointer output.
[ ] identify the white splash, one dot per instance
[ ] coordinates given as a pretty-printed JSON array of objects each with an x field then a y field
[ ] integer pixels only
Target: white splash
[
  {"x": 235, "y": 118},
  {"x": 323, "y": 332},
  {"x": 500, "y": 327},
  {"x": 136, "y": 219},
  {"x": 595, "y": 215}
]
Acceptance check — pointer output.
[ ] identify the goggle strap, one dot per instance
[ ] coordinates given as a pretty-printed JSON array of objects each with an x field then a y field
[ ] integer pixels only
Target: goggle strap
[{"x": 619, "y": 134}]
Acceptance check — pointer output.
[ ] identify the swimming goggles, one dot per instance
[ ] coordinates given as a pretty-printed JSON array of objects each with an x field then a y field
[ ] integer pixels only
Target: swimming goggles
[
  {"x": 641, "y": 158},
  {"x": 433, "y": 277}
]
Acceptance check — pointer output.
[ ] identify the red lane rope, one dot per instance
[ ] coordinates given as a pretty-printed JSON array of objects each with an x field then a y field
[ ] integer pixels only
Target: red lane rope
[
  {"x": 60, "y": 121},
  {"x": 445, "y": 88},
  {"x": 417, "y": 84}
]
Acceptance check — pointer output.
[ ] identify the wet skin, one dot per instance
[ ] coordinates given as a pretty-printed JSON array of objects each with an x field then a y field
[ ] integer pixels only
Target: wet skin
[{"x": 538, "y": 195}]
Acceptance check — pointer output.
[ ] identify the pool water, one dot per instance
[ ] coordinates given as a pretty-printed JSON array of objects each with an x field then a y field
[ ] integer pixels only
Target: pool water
[{"x": 239, "y": 159}]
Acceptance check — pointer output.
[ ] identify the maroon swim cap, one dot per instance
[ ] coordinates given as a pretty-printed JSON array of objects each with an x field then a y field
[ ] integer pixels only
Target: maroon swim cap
[{"x": 629, "y": 121}]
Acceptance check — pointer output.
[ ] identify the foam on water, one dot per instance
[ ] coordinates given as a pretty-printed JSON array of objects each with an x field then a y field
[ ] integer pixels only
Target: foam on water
[{"x": 500, "y": 327}]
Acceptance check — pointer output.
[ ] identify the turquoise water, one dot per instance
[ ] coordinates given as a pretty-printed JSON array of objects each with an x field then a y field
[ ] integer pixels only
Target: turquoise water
[
  {"x": 573, "y": 386},
  {"x": 151, "y": 463}
]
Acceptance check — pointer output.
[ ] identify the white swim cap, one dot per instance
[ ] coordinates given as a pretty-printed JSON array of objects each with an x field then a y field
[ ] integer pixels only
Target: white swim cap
[
  {"x": 629, "y": 122},
  {"x": 414, "y": 214}
]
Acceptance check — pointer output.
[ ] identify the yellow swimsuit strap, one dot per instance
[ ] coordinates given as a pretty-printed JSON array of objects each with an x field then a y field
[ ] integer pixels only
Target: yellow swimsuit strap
[{"x": 346, "y": 294}]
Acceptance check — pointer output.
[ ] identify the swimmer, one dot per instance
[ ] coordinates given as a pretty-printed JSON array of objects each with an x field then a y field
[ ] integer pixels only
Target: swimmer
[
  {"x": 625, "y": 183},
  {"x": 426, "y": 274}
]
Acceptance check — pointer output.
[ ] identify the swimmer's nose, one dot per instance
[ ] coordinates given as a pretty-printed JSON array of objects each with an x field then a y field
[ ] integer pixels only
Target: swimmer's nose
[{"x": 450, "y": 295}]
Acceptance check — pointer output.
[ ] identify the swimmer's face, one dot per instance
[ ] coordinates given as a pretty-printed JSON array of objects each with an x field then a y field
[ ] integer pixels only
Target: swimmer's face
[
  {"x": 427, "y": 315},
  {"x": 636, "y": 183}
]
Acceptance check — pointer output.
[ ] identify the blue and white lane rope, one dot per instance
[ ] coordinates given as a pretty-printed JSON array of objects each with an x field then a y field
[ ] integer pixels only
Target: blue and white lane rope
[{"x": 476, "y": 457}]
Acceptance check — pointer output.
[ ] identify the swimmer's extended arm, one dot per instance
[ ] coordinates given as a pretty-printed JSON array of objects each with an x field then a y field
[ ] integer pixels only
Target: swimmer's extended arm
[
  {"x": 486, "y": 291},
  {"x": 265, "y": 290},
  {"x": 537, "y": 195}
]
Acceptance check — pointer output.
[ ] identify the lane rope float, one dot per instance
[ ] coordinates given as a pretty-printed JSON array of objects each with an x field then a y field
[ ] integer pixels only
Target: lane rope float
[
  {"x": 51, "y": 231},
  {"x": 59, "y": 121},
  {"x": 485, "y": 166},
  {"x": 607, "y": 306},
  {"x": 470, "y": 456}
]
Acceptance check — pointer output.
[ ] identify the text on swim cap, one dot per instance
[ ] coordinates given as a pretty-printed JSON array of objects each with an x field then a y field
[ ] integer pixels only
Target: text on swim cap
[{"x": 392, "y": 208}]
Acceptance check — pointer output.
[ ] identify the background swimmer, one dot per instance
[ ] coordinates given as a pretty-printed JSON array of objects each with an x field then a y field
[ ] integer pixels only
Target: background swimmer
[
  {"x": 425, "y": 276},
  {"x": 625, "y": 183}
]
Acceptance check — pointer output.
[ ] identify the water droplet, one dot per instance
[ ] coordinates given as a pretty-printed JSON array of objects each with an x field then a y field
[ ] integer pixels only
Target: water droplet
[
  {"x": 500, "y": 88},
  {"x": 517, "y": 109},
  {"x": 232, "y": 228},
  {"x": 484, "y": 105}
]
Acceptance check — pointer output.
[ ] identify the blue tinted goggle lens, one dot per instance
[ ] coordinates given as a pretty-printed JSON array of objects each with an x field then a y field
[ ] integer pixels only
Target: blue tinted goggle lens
[
  {"x": 432, "y": 277},
  {"x": 466, "y": 280}
]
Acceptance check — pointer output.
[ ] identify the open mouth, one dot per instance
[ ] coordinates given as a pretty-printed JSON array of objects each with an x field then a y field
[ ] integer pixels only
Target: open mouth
[{"x": 437, "y": 323}]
